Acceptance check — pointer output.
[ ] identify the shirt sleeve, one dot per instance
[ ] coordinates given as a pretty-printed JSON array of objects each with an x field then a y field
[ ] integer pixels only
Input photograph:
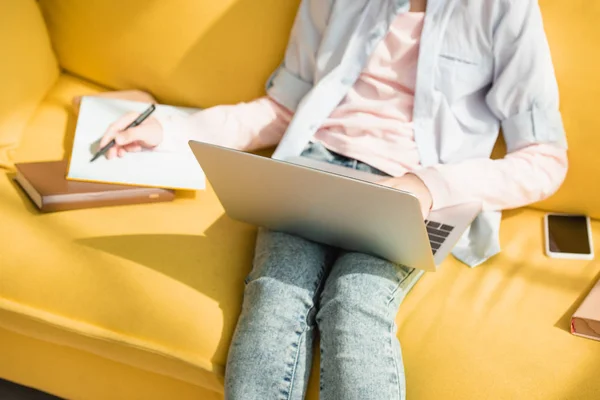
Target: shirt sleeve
[
  {"x": 524, "y": 97},
  {"x": 294, "y": 78},
  {"x": 244, "y": 126},
  {"x": 521, "y": 178}
]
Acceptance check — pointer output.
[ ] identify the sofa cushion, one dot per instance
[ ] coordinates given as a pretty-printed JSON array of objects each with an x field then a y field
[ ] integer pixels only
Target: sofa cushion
[
  {"x": 159, "y": 287},
  {"x": 197, "y": 53},
  {"x": 26, "y": 360},
  {"x": 27, "y": 70},
  {"x": 501, "y": 331},
  {"x": 78, "y": 280}
]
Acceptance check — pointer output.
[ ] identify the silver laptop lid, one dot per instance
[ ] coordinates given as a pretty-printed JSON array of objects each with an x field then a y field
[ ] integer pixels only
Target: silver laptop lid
[{"x": 321, "y": 206}]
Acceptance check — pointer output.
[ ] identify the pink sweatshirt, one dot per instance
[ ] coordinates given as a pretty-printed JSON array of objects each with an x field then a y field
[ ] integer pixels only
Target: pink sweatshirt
[{"x": 374, "y": 125}]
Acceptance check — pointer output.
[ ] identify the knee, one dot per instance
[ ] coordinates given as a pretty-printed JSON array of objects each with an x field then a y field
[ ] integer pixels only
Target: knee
[
  {"x": 352, "y": 304},
  {"x": 269, "y": 299},
  {"x": 279, "y": 300},
  {"x": 359, "y": 291}
]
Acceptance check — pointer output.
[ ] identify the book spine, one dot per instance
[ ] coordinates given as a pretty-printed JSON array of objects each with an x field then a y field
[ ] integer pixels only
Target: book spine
[{"x": 63, "y": 203}]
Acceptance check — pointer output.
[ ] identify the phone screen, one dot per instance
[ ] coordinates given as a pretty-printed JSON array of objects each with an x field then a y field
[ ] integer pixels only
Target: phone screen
[{"x": 568, "y": 234}]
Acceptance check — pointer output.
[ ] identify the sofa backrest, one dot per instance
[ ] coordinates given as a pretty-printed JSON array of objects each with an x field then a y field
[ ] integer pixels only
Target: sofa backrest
[
  {"x": 206, "y": 52},
  {"x": 573, "y": 29},
  {"x": 187, "y": 52},
  {"x": 28, "y": 69}
]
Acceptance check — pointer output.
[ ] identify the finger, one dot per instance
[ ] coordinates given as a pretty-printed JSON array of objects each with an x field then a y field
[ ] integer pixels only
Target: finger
[
  {"x": 385, "y": 182},
  {"x": 116, "y": 127},
  {"x": 121, "y": 152},
  {"x": 123, "y": 122},
  {"x": 133, "y": 147},
  {"x": 131, "y": 135},
  {"x": 112, "y": 153},
  {"x": 108, "y": 136}
]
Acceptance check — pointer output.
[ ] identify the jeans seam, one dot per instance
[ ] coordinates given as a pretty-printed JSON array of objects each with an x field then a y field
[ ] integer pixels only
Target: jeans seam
[
  {"x": 317, "y": 300},
  {"x": 320, "y": 276},
  {"x": 391, "y": 332},
  {"x": 291, "y": 391},
  {"x": 391, "y": 337}
]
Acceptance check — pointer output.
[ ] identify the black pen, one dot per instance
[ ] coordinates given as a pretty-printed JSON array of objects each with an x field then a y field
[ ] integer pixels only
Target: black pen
[{"x": 135, "y": 123}]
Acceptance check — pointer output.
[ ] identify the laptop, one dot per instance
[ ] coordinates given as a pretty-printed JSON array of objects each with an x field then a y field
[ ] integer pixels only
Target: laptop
[{"x": 333, "y": 205}]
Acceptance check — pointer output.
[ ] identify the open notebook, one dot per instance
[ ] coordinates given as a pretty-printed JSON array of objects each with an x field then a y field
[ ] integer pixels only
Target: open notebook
[{"x": 165, "y": 169}]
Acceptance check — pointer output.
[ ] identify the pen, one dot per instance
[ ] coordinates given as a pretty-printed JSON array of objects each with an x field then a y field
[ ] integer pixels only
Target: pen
[{"x": 135, "y": 123}]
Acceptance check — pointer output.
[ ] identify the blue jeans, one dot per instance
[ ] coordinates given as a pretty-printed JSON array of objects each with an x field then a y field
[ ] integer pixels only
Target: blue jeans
[{"x": 297, "y": 286}]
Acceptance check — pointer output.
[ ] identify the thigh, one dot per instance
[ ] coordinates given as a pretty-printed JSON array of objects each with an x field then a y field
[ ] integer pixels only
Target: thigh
[
  {"x": 362, "y": 279},
  {"x": 271, "y": 351},
  {"x": 290, "y": 260}
]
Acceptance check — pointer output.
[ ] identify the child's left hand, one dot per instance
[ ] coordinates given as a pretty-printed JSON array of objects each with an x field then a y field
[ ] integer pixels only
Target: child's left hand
[{"x": 412, "y": 184}]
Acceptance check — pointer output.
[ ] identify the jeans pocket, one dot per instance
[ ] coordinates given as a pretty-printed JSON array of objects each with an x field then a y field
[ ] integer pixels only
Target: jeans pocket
[
  {"x": 397, "y": 291},
  {"x": 250, "y": 276}
]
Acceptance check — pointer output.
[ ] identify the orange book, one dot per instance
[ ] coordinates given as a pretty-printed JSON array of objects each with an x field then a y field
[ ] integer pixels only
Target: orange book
[
  {"x": 586, "y": 321},
  {"x": 47, "y": 187}
]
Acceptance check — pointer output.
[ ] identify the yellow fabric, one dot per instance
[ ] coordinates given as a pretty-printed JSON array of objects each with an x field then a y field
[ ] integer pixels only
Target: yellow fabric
[
  {"x": 97, "y": 340},
  {"x": 71, "y": 258},
  {"x": 162, "y": 291},
  {"x": 50, "y": 131},
  {"x": 196, "y": 53},
  {"x": 27, "y": 70},
  {"x": 573, "y": 32},
  {"x": 75, "y": 374},
  {"x": 501, "y": 331},
  {"x": 156, "y": 297}
]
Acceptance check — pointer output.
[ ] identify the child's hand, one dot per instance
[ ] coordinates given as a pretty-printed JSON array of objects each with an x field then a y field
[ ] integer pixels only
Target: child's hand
[
  {"x": 147, "y": 135},
  {"x": 412, "y": 184}
]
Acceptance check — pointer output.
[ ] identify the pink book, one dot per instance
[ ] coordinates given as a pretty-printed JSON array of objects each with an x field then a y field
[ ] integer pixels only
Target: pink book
[{"x": 586, "y": 320}]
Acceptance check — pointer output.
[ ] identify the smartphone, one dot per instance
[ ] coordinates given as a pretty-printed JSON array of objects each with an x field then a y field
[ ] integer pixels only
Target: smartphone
[{"x": 568, "y": 236}]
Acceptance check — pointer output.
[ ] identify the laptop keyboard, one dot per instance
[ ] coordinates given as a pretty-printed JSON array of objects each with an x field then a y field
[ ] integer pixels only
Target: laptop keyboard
[{"x": 438, "y": 233}]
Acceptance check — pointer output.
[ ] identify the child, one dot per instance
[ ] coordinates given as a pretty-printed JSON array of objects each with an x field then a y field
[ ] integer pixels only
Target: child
[{"x": 414, "y": 91}]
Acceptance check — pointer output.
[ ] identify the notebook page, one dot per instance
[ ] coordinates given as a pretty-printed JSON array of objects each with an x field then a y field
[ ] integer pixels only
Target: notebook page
[{"x": 167, "y": 169}]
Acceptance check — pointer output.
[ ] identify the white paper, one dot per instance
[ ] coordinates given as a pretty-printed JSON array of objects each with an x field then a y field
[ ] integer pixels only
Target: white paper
[{"x": 174, "y": 170}]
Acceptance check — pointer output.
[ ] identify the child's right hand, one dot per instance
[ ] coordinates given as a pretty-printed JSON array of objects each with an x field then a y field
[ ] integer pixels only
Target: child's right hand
[{"x": 147, "y": 135}]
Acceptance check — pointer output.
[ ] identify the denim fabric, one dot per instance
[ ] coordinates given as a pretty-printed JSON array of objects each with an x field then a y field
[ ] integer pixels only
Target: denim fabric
[
  {"x": 296, "y": 287},
  {"x": 318, "y": 152}
]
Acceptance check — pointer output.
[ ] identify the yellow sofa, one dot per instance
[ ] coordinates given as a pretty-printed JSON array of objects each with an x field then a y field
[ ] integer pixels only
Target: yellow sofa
[{"x": 140, "y": 302}]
